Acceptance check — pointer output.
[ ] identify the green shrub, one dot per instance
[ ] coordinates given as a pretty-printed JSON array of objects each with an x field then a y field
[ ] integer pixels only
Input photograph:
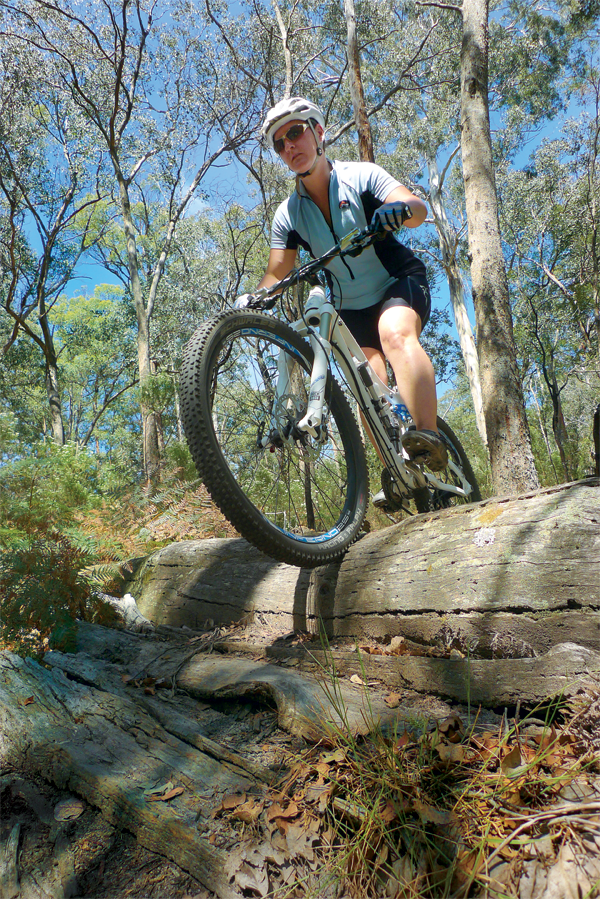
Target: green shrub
[
  {"x": 45, "y": 488},
  {"x": 44, "y": 591}
]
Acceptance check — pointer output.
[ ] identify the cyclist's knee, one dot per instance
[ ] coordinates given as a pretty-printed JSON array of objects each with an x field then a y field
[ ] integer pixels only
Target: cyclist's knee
[
  {"x": 400, "y": 341},
  {"x": 399, "y": 326}
]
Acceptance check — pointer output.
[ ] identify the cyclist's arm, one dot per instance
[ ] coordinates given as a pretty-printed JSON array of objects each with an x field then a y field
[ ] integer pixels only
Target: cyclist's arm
[
  {"x": 418, "y": 208},
  {"x": 280, "y": 264}
]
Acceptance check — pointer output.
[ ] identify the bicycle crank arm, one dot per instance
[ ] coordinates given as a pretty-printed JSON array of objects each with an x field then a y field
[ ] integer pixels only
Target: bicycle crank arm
[{"x": 435, "y": 483}]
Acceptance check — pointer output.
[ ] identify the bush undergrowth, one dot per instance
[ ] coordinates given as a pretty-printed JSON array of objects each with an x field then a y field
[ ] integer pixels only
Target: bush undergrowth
[{"x": 44, "y": 591}]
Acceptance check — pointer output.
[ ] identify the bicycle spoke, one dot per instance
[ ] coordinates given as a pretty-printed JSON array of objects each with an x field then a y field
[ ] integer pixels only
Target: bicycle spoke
[{"x": 299, "y": 484}]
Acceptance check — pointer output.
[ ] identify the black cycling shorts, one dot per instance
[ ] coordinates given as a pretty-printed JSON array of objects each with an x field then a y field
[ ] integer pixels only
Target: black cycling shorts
[{"x": 411, "y": 291}]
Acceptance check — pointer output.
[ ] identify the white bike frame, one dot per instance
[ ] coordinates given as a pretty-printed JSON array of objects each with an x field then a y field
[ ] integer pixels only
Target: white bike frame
[{"x": 383, "y": 408}]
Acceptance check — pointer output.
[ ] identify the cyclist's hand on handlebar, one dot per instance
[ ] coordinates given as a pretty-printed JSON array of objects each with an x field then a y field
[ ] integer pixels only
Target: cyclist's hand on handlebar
[
  {"x": 246, "y": 300},
  {"x": 243, "y": 301},
  {"x": 390, "y": 216}
]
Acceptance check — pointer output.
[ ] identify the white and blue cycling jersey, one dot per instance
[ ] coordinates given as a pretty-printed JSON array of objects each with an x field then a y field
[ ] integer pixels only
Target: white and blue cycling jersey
[{"x": 356, "y": 190}]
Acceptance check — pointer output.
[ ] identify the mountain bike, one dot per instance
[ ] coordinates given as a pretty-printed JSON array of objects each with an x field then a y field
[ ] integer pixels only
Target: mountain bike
[{"x": 274, "y": 437}]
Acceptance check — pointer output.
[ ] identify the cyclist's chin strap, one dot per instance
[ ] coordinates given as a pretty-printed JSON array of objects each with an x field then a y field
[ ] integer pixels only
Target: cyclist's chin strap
[
  {"x": 319, "y": 153},
  {"x": 313, "y": 166}
]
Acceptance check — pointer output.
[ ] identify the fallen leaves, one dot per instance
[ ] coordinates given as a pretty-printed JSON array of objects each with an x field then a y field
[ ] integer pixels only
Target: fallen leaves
[
  {"x": 149, "y": 684},
  {"x": 450, "y": 752},
  {"x": 69, "y": 809},
  {"x": 401, "y": 815},
  {"x": 392, "y": 700},
  {"x": 291, "y": 836},
  {"x": 511, "y": 764},
  {"x": 163, "y": 793},
  {"x": 241, "y": 806},
  {"x": 452, "y": 728},
  {"x": 277, "y": 813}
]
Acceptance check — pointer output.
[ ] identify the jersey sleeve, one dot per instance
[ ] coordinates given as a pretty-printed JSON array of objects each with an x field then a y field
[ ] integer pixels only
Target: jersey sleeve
[
  {"x": 283, "y": 236},
  {"x": 377, "y": 181}
]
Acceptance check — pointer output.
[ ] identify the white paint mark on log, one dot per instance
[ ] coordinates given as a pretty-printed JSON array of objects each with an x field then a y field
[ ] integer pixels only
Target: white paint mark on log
[{"x": 484, "y": 536}]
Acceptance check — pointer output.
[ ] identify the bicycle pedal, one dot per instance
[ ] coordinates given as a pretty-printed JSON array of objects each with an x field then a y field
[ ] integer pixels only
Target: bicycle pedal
[
  {"x": 426, "y": 448},
  {"x": 380, "y": 500}
]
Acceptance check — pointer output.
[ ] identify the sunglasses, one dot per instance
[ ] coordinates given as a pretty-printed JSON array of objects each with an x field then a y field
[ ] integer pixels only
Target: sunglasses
[{"x": 292, "y": 134}]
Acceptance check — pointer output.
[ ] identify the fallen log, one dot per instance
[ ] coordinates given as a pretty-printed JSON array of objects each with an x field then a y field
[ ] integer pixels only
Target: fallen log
[
  {"x": 107, "y": 749},
  {"x": 85, "y": 722},
  {"x": 505, "y": 578},
  {"x": 307, "y": 702}
]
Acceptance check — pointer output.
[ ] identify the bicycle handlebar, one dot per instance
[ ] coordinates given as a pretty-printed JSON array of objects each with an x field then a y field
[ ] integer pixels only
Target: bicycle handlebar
[{"x": 351, "y": 244}]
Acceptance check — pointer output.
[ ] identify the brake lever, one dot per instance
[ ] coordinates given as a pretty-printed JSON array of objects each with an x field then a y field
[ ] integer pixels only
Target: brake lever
[{"x": 356, "y": 241}]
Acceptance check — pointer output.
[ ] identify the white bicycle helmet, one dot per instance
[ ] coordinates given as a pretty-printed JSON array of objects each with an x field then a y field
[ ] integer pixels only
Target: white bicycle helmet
[{"x": 293, "y": 109}]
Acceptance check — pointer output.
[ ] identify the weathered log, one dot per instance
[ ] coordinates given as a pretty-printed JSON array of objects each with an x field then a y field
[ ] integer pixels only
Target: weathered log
[
  {"x": 489, "y": 682},
  {"x": 108, "y": 750},
  {"x": 203, "y": 583},
  {"x": 308, "y": 702},
  {"x": 9, "y": 870},
  {"x": 511, "y": 577},
  {"x": 82, "y": 727},
  {"x": 506, "y": 577}
]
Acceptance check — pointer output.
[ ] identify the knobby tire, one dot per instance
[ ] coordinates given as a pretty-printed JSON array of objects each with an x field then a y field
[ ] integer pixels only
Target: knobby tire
[{"x": 300, "y": 500}]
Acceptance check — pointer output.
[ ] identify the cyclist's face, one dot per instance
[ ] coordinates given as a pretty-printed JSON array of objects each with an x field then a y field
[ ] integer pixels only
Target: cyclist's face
[{"x": 298, "y": 144}]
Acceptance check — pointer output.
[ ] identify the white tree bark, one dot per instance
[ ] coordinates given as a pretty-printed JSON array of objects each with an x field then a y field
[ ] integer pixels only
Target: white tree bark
[
  {"x": 361, "y": 119},
  {"x": 448, "y": 246}
]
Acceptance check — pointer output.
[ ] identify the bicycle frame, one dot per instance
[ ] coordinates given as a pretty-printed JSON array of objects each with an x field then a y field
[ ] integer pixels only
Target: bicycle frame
[{"x": 383, "y": 409}]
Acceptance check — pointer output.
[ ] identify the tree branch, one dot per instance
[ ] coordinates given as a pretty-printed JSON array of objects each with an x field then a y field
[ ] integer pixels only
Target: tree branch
[
  {"x": 440, "y": 5},
  {"x": 394, "y": 90}
]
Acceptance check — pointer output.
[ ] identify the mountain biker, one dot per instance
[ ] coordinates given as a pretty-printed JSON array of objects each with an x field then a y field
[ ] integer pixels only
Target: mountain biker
[{"x": 382, "y": 295}]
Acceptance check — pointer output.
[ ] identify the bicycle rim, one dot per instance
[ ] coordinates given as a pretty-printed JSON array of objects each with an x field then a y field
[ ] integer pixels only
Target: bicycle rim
[{"x": 299, "y": 498}]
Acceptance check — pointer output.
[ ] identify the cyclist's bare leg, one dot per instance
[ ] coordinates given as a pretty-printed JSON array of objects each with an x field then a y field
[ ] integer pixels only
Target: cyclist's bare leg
[
  {"x": 399, "y": 330},
  {"x": 376, "y": 360}
]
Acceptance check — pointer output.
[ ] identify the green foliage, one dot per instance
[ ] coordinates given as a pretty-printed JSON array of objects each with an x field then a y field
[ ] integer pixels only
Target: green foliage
[
  {"x": 157, "y": 391},
  {"x": 44, "y": 592},
  {"x": 179, "y": 462},
  {"x": 8, "y": 434},
  {"x": 44, "y": 488}
]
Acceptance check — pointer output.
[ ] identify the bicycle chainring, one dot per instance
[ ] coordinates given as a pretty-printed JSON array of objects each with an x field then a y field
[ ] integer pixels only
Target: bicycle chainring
[{"x": 393, "y": 497}]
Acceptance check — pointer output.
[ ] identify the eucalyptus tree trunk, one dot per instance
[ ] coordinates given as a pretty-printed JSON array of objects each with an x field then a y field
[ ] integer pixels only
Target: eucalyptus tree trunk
[
  {"x": 448, "y": 244},
  {"x": 596, "y": 450},
  {"x": 287, "y": 53},
  {"x": 150, "y": 441},
  {"x": 509, "y": 442},
  {"x": 54, "y": 401},
  {"x": 51, "y": 359},
  {"x": 361, "y": 119}
]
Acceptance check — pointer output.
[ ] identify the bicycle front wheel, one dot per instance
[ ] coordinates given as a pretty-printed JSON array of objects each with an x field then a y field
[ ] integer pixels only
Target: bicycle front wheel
[{"x": 298, "y": 498}]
